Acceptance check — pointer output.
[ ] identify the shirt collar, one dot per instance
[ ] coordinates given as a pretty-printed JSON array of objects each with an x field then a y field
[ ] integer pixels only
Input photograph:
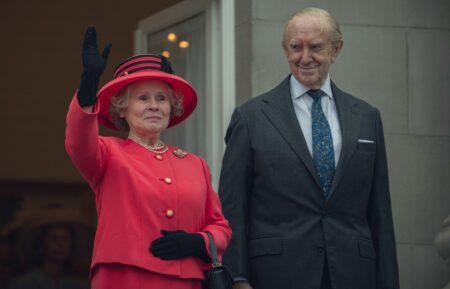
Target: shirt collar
[{"x": 298, "y": 89}]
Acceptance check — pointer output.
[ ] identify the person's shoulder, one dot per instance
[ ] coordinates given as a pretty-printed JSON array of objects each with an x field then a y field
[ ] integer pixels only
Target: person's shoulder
[
  {"x": 256, "y": 102},
  {"x": 251, "y": 104},
  {"x": 113, "y": 145},
  {"x": 112, "y": 140},
  {"x": 352, "y": 100},
  {"x": 182, "y": 154},
  {"x": 187, "y": 158}
]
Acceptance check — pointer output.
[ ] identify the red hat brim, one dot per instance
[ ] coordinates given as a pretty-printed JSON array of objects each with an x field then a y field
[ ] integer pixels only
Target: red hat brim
[{"x": 178, "y": 84}]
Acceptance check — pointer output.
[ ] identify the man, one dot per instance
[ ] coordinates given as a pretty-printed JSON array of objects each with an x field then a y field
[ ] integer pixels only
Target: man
[{"x": 304, "y": 180}]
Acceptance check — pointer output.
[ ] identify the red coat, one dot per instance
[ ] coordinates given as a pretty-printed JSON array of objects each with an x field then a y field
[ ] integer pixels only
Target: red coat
[{"x": 137, "y": 195}]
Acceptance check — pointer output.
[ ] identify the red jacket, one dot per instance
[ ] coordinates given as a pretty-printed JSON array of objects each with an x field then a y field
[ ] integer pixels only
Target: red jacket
[{"x": 137, "y": 195}]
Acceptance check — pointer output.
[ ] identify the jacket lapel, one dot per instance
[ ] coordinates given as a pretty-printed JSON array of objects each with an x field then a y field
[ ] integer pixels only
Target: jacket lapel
[
  {"x": 350, "y": 123},
  {"x": 280, "y": 112}
]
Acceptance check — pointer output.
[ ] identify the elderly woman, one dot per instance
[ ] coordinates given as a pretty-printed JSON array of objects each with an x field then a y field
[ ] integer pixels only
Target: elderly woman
[{"x": 155, "y": 202}]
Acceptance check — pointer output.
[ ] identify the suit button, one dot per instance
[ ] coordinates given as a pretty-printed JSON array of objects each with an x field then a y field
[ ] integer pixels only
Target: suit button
[
  {"x": 168, "y": 180},
  {"x": 169, "y": 213},
  {"x": 320, "y": 249},
  {"x": 159, "y": 157}
]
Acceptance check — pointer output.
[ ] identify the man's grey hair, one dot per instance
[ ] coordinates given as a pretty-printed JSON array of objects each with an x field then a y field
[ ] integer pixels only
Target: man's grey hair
[{"x": 335, "y": 31}]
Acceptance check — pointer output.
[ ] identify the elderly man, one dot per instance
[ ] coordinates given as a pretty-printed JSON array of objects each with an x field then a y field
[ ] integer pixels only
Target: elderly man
[{"x": 304, "y": 181}]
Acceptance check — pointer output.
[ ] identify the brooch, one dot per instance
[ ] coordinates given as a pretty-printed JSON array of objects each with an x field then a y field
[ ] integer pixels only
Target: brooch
[{"x": 179, "y": 153}]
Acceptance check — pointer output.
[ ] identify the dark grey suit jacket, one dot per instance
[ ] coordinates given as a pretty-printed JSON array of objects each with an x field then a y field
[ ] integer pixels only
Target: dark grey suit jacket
[{"x": 282, "y": 224}]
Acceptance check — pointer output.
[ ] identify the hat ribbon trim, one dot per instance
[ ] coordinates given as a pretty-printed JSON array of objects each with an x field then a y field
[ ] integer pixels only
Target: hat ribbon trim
[{"x": 128, "y": 64}]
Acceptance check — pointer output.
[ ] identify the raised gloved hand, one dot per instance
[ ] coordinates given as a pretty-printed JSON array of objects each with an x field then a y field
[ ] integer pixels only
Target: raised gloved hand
[
  {"x": 179, "y": 244},
  {"x": 93, "y": 66}
]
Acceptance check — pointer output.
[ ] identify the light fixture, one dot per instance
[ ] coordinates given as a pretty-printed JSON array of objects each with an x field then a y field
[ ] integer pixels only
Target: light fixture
[
  {"x": 183, "y": 44},
  {"x": 165, "y": 53},
  {"x": 172, "y": 37}
]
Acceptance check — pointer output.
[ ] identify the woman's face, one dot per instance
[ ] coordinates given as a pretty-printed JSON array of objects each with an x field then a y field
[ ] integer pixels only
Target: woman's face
[{"x": 148, "y": 108}]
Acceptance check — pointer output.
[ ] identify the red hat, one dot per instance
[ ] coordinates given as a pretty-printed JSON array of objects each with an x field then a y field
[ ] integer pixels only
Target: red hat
[{"x": 143, "y": 67}]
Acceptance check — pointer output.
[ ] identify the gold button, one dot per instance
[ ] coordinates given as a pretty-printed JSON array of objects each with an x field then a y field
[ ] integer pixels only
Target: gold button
[
  {"x": 168, "y": 180},
  {"x": 159, "y": 157},
  {"x": 169, "y": 213}
]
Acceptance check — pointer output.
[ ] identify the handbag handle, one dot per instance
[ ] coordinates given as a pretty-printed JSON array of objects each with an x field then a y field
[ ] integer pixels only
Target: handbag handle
[{"x": 212, "y": 248}]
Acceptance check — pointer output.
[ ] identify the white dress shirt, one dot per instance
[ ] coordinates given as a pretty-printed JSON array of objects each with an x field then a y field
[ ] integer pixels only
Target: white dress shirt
[{"x": 302, "y": 105}]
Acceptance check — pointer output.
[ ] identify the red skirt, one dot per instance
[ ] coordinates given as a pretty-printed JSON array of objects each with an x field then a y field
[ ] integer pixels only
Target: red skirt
[{"x": 120, "y": 276}]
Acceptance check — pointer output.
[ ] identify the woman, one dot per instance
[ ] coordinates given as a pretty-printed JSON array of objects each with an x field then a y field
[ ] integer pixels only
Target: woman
[{"x": 155, "y": 202}]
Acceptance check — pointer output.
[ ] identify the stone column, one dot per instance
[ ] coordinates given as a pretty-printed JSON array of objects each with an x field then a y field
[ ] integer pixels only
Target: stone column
[{"x": 442, "y": 244}]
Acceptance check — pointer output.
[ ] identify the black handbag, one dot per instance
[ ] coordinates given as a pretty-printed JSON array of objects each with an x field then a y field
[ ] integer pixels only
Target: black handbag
[{"x": 218, "y": 277}]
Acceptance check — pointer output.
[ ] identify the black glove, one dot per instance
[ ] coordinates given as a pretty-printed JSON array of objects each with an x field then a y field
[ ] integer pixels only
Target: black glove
[
  {"x": 93, "y": 66},
  {"x": 179, "y": 244}
]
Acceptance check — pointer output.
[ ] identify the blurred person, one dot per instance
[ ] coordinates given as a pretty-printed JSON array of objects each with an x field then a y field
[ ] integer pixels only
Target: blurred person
[
  {"x": 155, "y": 202},
  {"x": 51, "y": 260}
]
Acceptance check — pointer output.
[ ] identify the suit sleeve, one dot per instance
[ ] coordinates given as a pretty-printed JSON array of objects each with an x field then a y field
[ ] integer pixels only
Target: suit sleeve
[
  {"x": 83, "y": 144},
  {"x": 234, "y": 189},
  {"x": 215, "y": 222},
  {"x": 380, "y": 218}
]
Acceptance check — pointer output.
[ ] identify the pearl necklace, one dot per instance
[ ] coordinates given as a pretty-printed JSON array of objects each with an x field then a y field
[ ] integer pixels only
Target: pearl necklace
[{"x": 158, "y": 149}]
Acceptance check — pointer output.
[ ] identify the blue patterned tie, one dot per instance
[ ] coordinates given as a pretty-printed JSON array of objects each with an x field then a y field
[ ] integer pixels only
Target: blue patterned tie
[{"x": 322, "y": 141}]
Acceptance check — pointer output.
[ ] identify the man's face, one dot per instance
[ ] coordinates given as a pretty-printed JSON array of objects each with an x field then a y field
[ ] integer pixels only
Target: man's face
[{"x": 309, "y": 49}]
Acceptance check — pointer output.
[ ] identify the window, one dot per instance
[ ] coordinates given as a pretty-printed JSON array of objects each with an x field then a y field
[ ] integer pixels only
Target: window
[
  {"x": 198, "y": 37},
  {"x": 184, "y": 45}
]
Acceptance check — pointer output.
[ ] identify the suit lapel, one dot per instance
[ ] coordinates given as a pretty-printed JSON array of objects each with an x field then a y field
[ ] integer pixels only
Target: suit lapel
[
  {"x": 350, "y": 123},
  {"x": 280, "y": 112}
]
